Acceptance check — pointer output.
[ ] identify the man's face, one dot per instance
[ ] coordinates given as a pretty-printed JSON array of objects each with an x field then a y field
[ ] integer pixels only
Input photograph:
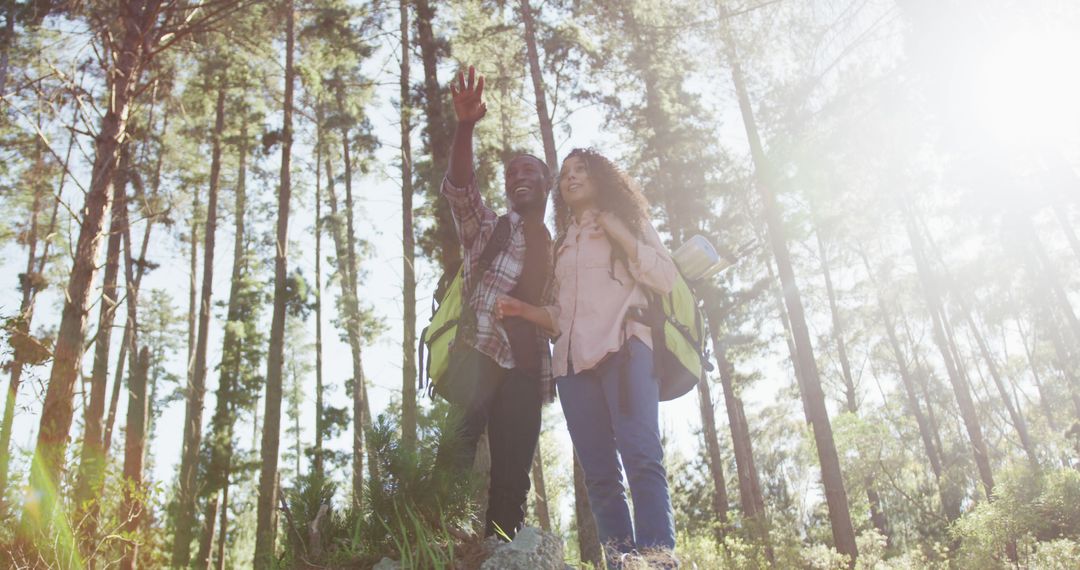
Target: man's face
[{"x": 526, "y": 186}]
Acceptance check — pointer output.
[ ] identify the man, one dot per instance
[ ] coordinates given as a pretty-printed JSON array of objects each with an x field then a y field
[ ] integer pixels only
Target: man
[{"x": 513, "y": 370}]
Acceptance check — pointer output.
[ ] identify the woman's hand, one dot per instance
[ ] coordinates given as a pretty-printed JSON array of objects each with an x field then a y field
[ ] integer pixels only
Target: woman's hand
[
  {"x": 469, "y": 103},
  {"x": 618, "y": 233}
]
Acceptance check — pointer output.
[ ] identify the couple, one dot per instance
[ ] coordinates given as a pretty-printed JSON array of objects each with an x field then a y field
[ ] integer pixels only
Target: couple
[{"x": 584, "y": 292}]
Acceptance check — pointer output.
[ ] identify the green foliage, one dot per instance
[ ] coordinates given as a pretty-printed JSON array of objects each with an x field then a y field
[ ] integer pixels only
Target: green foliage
[
  {"x": 414, "y": 504},
  {"x": 1029, "y": 509},
  {"x": 414, "y": 512}
]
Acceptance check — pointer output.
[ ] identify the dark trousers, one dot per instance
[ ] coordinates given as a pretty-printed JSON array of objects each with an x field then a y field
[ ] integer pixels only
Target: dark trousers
[{"x": 507, "y": 403}]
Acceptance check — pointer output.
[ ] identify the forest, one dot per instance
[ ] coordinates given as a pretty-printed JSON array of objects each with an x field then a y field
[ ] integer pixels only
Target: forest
[{"x": 223, "y": 234}]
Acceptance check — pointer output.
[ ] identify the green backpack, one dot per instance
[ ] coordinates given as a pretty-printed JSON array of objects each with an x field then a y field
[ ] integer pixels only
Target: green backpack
[
  {"x": 438, "y": 336},
  {"x": 682, "y": 359}
]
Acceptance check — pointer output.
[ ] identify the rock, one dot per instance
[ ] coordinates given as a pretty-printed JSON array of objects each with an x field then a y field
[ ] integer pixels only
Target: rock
[
  {"x": 531, "y": 549},
  {"x": 387, "y": 564}
]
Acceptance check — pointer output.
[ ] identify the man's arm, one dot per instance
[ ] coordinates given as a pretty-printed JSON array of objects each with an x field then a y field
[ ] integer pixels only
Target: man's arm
[
  {"x": 469, "y": 107},
  {"x": 471, "y": 216}
]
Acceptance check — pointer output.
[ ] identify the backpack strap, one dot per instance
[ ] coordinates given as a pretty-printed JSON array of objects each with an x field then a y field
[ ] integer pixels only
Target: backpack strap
[
  {"x": 497, "y": 242},
  {"x": 500, "y": 237}
]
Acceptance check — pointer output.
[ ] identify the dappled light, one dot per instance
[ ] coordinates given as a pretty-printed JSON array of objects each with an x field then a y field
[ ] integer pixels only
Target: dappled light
[{"x": 475, "y": 284}]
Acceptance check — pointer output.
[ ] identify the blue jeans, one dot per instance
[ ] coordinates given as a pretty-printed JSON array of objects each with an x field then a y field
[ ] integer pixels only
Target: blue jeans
[{"x": 605, "y": 425}]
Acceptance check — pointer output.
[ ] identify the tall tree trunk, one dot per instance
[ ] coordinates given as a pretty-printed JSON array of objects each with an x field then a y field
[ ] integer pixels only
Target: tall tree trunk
[
  {"x": 778, "y": 300},
  {"x": 29, "y": 284},
  {"x": 140, "y": 200},
  {"x": 543, "y": 511},
  {"x": 131, "y": 285},
  {"x": 373, "y": 460},
  {"x": 193, "y": 289},
  {"x": 588, "y": 537},
  {"x": 751, "y": 499},
  {"x": 950, "y": 507},
  {"x": 133, "y": 510},
  {"x": 320, "y": 411},
  {"x": 547, "y": 132},
  {"x": 1017, "y": 420},
  {"x": 221, "y": 425},
  {"x": 353, "y": 317},
  {"x": 446, "y": 249},
  {"x": 266, "y": 529},
  {"x": 204, "y": 560},
  {"x": 352, "y": 333},
  {"x": 196, "y": 391},
  {"x": 1044, "y": 398},
  {"x": 959, "y": 385},
  {"x": 716, "y": 462},
  {"x": 223, "y": 525},
  {"x": 58, "y": 406},
  {"x": 877, "y": 516},
  {"x": 408, "y": 247},
  {"x": 91, "y": 472},
  {"x": 812, "y": 394}
]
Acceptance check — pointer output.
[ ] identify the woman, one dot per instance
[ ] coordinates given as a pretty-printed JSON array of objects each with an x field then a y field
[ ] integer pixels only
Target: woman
[{"x": 608, "y": 260}]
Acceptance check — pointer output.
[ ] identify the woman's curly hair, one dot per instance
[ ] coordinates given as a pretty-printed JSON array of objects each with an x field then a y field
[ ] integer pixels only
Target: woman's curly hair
[{"x": 615, "y": 193}]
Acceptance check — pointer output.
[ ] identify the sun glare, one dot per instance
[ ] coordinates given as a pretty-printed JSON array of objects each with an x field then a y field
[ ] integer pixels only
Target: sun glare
[{"x": 1029, "y": 87}]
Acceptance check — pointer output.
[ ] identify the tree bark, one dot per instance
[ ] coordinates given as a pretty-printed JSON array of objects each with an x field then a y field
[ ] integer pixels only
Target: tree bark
[
  {"x": 196, "y": 391},
  {"x": 353, "y": 317},
  {"x": 877, "y": 516},
  {"x": 221, "y": 425},
  {"x": 132, "y": 286},
  {"x": 1017, "y": 420},
  {"x": 91, "y": 473},
  {"x": 193, "y": 289},
  {"x": 132, "y": 511},
  {"x": 933, "y": 454},
  {"x": 547, "y": 132},
  {"x": 223, "y": 526},
  {"x": 960, "y": 387},
  {"x": 751, "y": 499},
  {"x": 813, "y": 396},
  {"x": 205, "y": 558},
  {"x": 352, "y": 333},
  {"x": 1044, "y": 398},
  {"x": 716, "y": 462},
  {"x": 265, "y": 533},
  {"x": 443, "y": 239},
  {"x": 588, "y": 538},
  {"x": 408, "y": 247},
  {"x": 58, "y": 406},
  {"x": 318, "y": 463},
  {"x": 543, "y": 512}
]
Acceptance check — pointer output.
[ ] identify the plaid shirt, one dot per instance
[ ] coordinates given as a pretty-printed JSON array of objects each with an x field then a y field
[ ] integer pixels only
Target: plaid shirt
[{"x": 475, "y": 223}]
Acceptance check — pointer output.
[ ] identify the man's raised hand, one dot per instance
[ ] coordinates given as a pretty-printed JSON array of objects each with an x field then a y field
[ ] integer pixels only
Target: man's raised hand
[{"x": 469, "y": 103}]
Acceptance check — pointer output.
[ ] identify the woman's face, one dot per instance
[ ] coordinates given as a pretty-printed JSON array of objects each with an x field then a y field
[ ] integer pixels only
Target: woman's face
[{"x": 576, "y": 188}]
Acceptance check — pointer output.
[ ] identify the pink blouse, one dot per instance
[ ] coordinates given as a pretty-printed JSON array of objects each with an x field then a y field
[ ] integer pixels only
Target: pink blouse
[{"x": 592, "y": 297}]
